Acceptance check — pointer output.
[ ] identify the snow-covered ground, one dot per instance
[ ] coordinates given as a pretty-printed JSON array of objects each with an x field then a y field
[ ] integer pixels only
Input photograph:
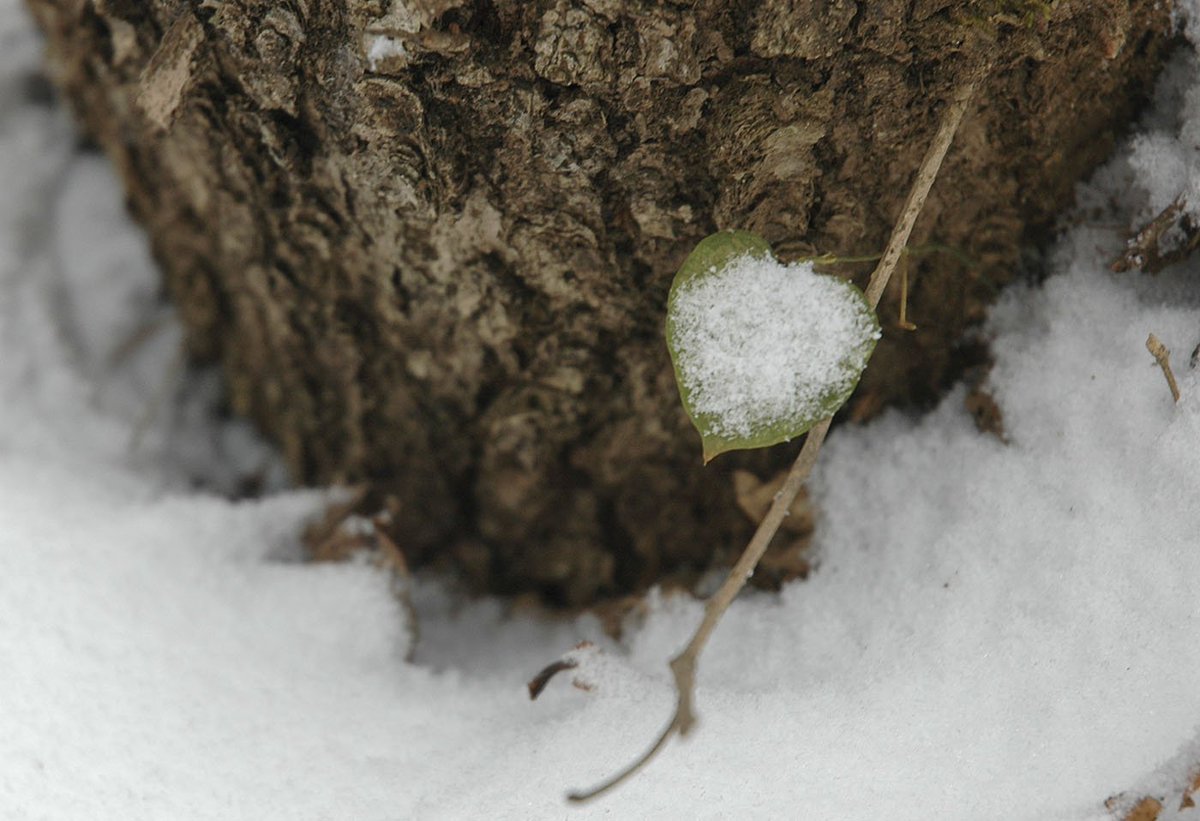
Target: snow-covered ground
[{"x": 1022, "y": 643}]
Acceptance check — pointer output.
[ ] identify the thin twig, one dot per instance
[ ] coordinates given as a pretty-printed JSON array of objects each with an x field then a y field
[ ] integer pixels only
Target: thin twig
[
  {"x": 683, "y": 666},
  {"x": 1163, "y": 357},
  {"x": 926, "y": 174}
]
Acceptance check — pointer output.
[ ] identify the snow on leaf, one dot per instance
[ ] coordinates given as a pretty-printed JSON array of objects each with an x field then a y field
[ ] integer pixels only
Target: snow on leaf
[{"x": 762, "y": 351}]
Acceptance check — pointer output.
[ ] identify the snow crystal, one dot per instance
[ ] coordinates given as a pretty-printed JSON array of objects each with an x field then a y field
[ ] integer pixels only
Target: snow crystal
[{"x": 759, "y": 342}]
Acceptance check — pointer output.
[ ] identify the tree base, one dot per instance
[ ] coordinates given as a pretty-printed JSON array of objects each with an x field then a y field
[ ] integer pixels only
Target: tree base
[{"x": 431, "y": 242}]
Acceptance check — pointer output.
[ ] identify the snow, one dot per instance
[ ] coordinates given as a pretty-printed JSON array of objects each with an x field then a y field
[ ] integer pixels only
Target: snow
[
  {"x": 759, "y": 342},
  {"x": 382, "y": 48},
  {"x": 995, "y": 631}
]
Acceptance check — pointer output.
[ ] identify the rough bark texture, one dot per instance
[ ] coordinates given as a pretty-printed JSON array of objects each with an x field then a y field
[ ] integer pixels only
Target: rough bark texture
[{"x": 431, "y": 240}]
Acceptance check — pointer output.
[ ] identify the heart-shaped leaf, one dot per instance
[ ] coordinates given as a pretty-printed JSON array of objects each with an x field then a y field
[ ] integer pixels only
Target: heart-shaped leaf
[{"x": 762, "y": 351}]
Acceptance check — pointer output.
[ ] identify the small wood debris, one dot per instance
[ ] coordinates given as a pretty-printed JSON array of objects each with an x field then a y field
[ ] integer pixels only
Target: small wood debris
[
  {"x": 1189, "y": 795},
  {"x": 754, "y": 498},
  {"x": 1163, "y": 357},
  {"x": 986, "y": 413},
  {"x": 787, "y": 557},
  {"x": 1168, "y": 238},
  {"x": 538, "y": 683},
  {"x": 1146, "y": 809},
  {"x": 326, "y": 540}
]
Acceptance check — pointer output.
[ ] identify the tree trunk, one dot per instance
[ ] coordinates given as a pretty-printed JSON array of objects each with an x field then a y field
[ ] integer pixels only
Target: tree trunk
[{"x": 431, "y": 241}]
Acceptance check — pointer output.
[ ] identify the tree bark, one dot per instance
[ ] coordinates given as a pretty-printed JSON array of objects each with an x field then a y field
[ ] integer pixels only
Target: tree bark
[{"x": 430, "y": 241}]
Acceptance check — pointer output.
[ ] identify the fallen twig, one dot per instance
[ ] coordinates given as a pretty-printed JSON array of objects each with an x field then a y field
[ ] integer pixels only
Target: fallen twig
[
  {"x": 538, "y": 683},
  {"x": 683, "y": 666},
  {"x": 1163, "y": 357},
  {"x": 570, "y": 661}
]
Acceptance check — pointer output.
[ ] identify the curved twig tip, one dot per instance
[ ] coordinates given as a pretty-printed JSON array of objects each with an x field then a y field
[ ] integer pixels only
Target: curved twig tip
[{"x": 581, "y": 796}]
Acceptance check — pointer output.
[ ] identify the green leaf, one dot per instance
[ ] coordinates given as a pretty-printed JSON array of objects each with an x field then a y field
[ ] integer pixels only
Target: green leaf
[{"x": 762, "y": 351}]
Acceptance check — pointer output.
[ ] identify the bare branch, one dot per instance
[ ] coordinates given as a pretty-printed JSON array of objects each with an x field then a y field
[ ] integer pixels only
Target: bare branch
[{"x": 683, "y": 666}]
